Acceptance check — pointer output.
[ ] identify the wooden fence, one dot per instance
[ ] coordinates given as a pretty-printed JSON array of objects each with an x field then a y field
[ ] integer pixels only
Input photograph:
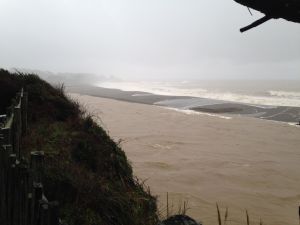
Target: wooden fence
[{"x": 22, "y": 201}]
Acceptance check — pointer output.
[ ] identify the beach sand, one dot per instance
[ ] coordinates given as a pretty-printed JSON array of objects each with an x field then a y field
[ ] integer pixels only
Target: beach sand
[{"x": 241, "y": 163}]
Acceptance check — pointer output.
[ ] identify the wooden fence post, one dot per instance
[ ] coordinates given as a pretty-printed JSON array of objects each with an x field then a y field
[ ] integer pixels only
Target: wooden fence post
[
  {"x": 2, "y": 184},
  {"x": 24, "y": 106},
  {"x": 11, "y": 189},
  {"x": 23, "y": 192},
  {"x": 3, "y": 119},
  {"x": 6, "y": 150},
  {"x": 54, "y": 213},
  {"x": 37, "y": 165},
  {"x": 36, "y": 197},
  {"x": 48, "y": 212},
  {"x": 29, "y": 208},
  {"x": 17, "y": 130},
  {"x": 16, "y": 192},
  {"x": 44, "y": 213},
  {"x": 7, "y": 137}
]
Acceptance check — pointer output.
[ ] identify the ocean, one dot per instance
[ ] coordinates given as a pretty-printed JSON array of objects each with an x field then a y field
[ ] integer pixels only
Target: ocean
[{"x": 268, "y": 99}]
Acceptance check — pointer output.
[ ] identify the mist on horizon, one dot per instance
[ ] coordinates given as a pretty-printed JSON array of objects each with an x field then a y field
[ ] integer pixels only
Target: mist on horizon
[{"x": 147, "y": 40}]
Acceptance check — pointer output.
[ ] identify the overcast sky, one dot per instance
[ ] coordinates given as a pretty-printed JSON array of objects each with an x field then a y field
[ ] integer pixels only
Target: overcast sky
[{"x": 143, "y": 39}]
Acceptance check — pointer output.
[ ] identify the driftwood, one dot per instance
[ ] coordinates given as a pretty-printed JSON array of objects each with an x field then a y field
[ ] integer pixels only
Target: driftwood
[{"x": 273, "y": 9}]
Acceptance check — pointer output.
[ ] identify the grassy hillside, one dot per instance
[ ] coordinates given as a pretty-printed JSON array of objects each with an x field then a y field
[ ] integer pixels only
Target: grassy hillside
[{"x": 85, "y": 170}]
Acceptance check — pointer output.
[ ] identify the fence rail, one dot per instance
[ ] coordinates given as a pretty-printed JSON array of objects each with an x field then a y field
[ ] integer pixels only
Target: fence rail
[{"x": 22, "y": 199}]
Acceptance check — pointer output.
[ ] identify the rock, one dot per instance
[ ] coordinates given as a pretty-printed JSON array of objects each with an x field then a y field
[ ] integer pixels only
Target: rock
[{"x": 179, "y": 220}]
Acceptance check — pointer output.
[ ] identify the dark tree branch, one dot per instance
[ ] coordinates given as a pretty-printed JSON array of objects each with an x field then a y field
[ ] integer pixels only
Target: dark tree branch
[{"x": 256, "y": 23}]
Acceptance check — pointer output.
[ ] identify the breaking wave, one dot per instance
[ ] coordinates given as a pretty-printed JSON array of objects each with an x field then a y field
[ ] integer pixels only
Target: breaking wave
[
  {"x": 269, "y": 98},
  {"x": 286, "y": 94},
  {"x": 192, "y": 112}
]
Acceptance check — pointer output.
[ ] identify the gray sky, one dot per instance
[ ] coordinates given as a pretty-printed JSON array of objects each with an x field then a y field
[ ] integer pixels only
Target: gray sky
[{"x": 143, "y": 39}]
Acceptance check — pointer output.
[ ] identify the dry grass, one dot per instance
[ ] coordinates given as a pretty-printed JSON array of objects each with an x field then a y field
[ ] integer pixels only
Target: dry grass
[
  {"x": 171, "y": 209},
  {"x": 219, "y": 215},
  {"x": 247, "y": 217}
]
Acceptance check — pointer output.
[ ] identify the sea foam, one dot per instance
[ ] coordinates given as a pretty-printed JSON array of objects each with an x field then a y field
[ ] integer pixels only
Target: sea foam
[
  {"x": 192, "y": 112},
  {"x": 268, "y": 98}
]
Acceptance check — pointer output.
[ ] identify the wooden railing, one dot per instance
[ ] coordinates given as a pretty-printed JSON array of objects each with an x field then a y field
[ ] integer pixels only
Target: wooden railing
[{"x": 22, "y": 200}]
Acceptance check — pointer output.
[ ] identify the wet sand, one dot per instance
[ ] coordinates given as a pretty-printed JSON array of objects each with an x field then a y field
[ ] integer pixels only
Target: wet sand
[
  {"x": 242, "y": 163},
  {"x": 277, "y": 113}
]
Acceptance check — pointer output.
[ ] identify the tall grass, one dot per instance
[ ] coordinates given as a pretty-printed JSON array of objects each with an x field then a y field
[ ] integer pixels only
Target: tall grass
[
  {"x": 170, "y": 208},
  {"x": 247, "y": 218},
  {"x": 226, "y": 216},
  {"x": 219, "y": 215},
  {"x": 299, "y": 214}
]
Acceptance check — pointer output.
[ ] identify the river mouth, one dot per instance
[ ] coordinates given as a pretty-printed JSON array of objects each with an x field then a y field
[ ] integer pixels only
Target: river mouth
[{"x": 241, "y": 163}]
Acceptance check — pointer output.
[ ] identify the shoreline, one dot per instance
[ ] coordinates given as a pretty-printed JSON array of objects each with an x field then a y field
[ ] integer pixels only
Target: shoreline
[
  {"x": 240, "y": 163},
  {"x": 286, "y": 114}
]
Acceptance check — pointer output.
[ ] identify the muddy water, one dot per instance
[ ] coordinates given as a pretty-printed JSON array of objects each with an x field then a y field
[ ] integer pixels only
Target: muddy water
[{"x": 241, "y": 163}]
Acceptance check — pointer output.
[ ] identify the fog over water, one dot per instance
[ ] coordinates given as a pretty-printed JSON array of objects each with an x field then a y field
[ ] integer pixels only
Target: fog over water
[{"x": 142, "y": 40}]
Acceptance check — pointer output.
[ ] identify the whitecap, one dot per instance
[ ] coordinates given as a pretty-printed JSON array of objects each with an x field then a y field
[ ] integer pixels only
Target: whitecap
[
  {"x": 275, "y": 98},
  {"x": 192, "y": 112}
]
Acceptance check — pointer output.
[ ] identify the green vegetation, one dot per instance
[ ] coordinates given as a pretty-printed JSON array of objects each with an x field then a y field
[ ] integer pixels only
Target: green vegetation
[{"x": 85, "y": 170}]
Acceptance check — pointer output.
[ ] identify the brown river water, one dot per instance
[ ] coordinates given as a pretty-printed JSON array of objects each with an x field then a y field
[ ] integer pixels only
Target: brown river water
[{"x": 240, "y": 163}]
